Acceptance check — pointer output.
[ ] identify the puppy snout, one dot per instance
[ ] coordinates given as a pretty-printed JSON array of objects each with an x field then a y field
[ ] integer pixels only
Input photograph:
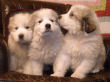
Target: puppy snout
[
  {"x": 59, "y": 17},
  {"x": 48, "y": 26},
  {"x": 21, "y": 36}
]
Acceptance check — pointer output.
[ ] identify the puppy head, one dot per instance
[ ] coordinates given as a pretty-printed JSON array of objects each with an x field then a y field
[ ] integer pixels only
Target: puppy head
[
  {"x": 19, "y": 27},
  {"x": 79, "y": 18},
  {"x": 44, "y": 22}
]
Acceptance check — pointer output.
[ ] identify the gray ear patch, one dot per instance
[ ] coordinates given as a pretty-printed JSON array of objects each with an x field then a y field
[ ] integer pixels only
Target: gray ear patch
[{"x": 87, "y": 26}]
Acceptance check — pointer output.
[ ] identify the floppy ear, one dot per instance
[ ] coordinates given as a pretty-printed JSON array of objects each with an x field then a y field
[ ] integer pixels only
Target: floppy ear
[
  {"x": 32, "y": 21},
  {"x": 88, "y": 25},
  {"x": 64, "y": 31},
  {"x": 10, "y": 23}
]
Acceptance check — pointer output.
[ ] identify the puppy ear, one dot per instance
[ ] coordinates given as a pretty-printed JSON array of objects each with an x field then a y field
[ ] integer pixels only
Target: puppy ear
[
  {"x": 32, "y": 21},
  {"x": 63, "y": 30},
  {"x": 87, "y": 25},
  {"x": 10, "y": 23}
]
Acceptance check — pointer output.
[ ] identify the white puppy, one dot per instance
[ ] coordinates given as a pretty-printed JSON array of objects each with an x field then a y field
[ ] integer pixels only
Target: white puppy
[
  {"x": 83, "y": 50},
  {"x": 20, "y": 36},
  {"x": 46, "y": 42}
]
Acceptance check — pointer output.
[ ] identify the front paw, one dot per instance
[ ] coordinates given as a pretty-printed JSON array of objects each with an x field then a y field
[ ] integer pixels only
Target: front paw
[
  {"x": 97, "y": 70},
  {"x": 57, "y": 75},
  {"x": 28, "y": 72},
  {"x": 32, "y": 73},
  {"x": 79, "y": 76},
  {"x": 20, "y": 70}
]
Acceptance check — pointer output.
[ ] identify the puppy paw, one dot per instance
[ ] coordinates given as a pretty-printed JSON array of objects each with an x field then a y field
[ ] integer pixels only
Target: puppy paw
[
  {"x": 79, "y": 76},
  {"x": 39, "y": 74},
  {"x": 32, "y": 73},
  {"x": 57, "y": 75},
  {"x": 97, "y": 70},
  {"x": 28, "y": 73},
  {"x": 19, "y": 70}
]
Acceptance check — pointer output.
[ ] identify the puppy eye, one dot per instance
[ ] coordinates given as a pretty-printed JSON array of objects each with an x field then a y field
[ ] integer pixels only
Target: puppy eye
[
  {"x": 39, "y": 21},
  {"x": 27, "y": 27},
  {"x": 71, "y": 14},
  {"x": 51, "y": 20},
  {"x": 16, "y": 28}
]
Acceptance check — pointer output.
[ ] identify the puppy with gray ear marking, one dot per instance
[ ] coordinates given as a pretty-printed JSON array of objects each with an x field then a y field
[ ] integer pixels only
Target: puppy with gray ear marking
[
  {"x": 46, "y": 43},
  {"x": 83, "y": 49},
  {"x": 20, "y": 36}
]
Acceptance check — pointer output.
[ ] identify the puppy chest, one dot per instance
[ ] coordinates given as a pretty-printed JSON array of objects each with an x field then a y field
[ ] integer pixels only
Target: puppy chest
[
  {"x": 47, "y": 54},
  {"x": 72, "y": 46}
]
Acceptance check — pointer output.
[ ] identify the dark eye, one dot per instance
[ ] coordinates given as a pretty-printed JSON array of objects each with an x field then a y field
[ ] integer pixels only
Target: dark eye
[
  {"x": 51, "y": 20},
  {"x": 27, "y": 27},
  {"x": 39, "y": 21},
  {"x": 71, "y": 14},
  {"x": 16, "y": 28}
]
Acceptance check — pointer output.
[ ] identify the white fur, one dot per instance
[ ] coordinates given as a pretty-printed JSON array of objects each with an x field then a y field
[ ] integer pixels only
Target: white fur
[
  {"x": 19, "y": 47},
  {"x": 45, "y": 45},
  {"x": 83, "y": 52}
]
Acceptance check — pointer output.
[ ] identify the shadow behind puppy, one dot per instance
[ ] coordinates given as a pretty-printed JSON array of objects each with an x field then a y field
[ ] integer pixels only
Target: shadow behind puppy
[
  {"x": 20, "y": 36},
  {"x": 83, "y": 50},
  {"x": 46, "y": 43}
]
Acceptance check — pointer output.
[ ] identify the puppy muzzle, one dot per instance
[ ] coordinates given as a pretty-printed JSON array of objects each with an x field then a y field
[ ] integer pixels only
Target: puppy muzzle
[{"x": 48, "y": 28}]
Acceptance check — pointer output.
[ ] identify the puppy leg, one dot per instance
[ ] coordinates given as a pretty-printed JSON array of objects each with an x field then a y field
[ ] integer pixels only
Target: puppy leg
[
  {"x": 37, "y": 68},
  {"x": 13, "y": 62},
  {"x": 100, "y": 65},
  {"x": 33, "y": 67},
  {"x": 85, "y": 67},
  {"x": 100, "y": 62},
  {"x": 28, "y": 68},
  {"x": 61, "y": 65}
]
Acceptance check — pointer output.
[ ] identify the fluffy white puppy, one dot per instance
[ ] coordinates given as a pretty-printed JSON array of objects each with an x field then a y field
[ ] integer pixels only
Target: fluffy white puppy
[
  {"x": 83, "y": 50},
  {"x": 46, "y": 43},
  {"x": 20, "y": 36}
]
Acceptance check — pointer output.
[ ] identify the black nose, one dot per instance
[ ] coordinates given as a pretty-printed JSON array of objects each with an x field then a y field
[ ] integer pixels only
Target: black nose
[
  {"x": 48, "y": 26},
  {"x": 59, "y": 17},
  {"x": 21, "y": 36}
]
